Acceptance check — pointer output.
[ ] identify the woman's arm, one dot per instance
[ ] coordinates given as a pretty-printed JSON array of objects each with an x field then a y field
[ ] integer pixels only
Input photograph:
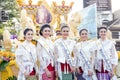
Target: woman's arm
[{"x": 114, "y": 58}]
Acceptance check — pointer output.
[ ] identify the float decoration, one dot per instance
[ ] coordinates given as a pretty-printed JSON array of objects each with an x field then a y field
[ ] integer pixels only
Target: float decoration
[
  {"x": 61, "y": 10},
  {"x": 6, "y": 40},
  {"x": 5, "y": 58}
]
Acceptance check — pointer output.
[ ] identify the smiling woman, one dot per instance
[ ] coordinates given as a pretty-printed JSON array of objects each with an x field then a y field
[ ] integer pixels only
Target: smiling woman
[
  {"x": 26, "y": 57},
  {"x": 45, "y": 54}
]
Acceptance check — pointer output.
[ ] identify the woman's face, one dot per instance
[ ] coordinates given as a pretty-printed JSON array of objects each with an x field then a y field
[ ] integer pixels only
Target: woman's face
[
  {"x": 29, "y": 36},
  {"x": 102, "y": 33},
  {"x": 84, "y": 35},
  {"x": 65, "y": 32},
  {"x": 46, "y": 32}
]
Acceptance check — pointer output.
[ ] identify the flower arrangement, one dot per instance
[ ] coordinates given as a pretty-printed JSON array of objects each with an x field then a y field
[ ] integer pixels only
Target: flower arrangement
[{"x": 5, "y": 58}]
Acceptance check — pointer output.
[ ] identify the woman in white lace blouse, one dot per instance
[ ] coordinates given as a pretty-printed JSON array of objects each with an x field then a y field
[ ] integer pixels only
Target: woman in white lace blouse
[{"x": 26, "y": 56}]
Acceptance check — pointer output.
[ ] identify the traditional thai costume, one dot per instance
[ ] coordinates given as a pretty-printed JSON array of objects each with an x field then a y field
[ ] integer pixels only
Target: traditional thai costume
[
  {"x": 84, "y": 60},
  {"x": 63, "y": 50},
  {"x": 45, "y": 54},
  {"x": 26, "y": 59},
  {"x": 105, "y": 57}
]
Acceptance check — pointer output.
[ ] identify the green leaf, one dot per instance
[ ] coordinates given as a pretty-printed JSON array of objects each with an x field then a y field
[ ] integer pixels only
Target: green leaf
[
  {"x": 14, "y": 77},
  {"x": 3, "y": 65}
]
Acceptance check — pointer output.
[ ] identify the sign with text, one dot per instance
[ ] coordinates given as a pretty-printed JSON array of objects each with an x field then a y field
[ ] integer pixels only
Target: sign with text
[{"x": 102, "y": 5}]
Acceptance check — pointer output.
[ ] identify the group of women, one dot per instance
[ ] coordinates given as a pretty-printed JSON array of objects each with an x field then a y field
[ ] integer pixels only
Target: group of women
[{"x": 66, "y": 59}]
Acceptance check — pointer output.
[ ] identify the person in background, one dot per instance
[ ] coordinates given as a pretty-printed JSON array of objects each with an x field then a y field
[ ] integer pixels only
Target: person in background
[
  {"x": 26, "y": 57},
  {"x": 45, "y": 54},
  {"x": 63, "y": 50}
]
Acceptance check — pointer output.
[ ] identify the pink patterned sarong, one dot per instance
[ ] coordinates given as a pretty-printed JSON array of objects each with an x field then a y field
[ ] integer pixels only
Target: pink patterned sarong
[
  {"x": 45, "y": 77},
  {"x": 52, "y": 70}
]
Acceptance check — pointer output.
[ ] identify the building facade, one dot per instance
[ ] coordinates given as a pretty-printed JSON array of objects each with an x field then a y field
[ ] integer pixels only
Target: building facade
[{"x": 104, "y": 11}]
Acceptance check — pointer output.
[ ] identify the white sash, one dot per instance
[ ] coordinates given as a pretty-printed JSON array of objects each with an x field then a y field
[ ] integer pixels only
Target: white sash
[
  {"x": 87, "y": 62},
  {"x": 106, "y": 58},
  {"x": 68, "y": 56},
  {"x": 67, "y": 53},
  {"x": 48, "y": 49}
]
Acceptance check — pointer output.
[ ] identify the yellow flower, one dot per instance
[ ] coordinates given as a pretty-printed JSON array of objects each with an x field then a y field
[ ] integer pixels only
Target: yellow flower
[
  {"x": 4, "y": 54},
  {"x": 34, "y": 42},
  {"x": 118, "y": 54},
  {"x": 0, "y": 54},
  {"x": 13, "y": 54}
]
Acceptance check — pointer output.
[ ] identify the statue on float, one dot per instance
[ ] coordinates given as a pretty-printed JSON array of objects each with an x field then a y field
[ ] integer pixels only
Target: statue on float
[
  {"x": 26, "y": 21},
  {"x": 74, "y": 23},
  {"x": 6, "y": 40}
]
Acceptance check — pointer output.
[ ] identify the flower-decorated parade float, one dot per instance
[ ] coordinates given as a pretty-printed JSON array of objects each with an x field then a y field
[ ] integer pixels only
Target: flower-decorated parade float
[
  {"x": 8, "y": 66},
  {"x": 32, "y": 16},
  {"x": 118, "y": 66}
]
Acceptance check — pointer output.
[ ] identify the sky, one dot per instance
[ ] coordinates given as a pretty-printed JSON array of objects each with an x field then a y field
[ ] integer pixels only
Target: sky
[{"x": 115, "y": 4}]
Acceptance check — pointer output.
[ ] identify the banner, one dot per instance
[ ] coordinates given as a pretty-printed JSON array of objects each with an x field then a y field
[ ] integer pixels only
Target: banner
[{"x": 88, "y": 20}]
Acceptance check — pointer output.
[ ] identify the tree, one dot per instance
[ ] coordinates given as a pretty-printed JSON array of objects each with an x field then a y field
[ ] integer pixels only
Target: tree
[{"x": 12, "y": 9}]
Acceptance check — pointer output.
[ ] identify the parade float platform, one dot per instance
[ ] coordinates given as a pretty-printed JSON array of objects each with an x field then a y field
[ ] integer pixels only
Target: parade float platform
[
  {"x": 11, "y": 69},
  {"x": 8, "y": 67}
]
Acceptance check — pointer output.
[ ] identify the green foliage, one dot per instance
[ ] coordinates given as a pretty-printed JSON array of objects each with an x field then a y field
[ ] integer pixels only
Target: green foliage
[
  {"x": 1, "y": 31},
  {"x": 3, "y": 65},
  {"x": 12, "y": 78},
  {"x": 13, "y": 31},
  {"x": 12, "y": 9}
]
